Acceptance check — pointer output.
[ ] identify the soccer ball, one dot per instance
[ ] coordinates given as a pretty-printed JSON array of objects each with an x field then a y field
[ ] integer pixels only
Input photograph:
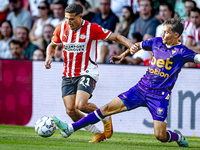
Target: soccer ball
[{"x": 45, "y": 126}]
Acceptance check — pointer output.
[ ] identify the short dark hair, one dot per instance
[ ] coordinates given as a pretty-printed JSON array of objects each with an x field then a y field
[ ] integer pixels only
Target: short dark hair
[
  {"x": 177, "y": 25},
  {"x": 74, "y": 8},
  {"x": 16, "y": 42},
  {"x": 196, "y": 10},
  {"x": 64, "y": 4},
  {"x": 195, "y": 4}
]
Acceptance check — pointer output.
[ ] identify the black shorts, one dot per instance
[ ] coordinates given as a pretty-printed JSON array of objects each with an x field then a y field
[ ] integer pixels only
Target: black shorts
[{"x": 70, "y": 85}]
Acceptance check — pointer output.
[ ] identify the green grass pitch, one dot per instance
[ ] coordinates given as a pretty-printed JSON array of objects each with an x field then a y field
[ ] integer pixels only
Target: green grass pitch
[{"x": 25, "y": 138}]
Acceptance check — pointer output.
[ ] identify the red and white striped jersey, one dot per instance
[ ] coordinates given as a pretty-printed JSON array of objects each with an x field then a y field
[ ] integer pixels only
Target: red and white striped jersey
[
  {"x": 80, "y": 48},
  {"x": 187, "y": 26},
  {"x": 194, "y": 33}
]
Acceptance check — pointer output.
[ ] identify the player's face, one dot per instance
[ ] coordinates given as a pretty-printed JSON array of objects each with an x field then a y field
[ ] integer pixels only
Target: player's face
[
  {"x": 168, "y": 36},
  {"x": 73, "y": 21}
]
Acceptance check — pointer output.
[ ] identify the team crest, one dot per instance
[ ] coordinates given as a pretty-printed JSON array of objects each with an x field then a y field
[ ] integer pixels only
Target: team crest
[
  {"x": 160, "y": 111},
  {"x": 82, "y": 36}
]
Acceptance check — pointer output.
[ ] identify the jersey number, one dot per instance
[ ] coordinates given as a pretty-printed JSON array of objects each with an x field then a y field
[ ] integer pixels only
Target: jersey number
[{"x": 87, "y": 81}]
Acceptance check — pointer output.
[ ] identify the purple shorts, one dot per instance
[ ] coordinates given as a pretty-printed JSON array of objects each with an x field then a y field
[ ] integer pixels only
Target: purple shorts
[{"x": 155, "y": 100}]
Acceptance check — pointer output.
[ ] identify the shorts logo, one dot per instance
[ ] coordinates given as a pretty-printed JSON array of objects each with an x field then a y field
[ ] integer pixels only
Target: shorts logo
[
  {"x": 160, "y": 111},
  {"x": 124, "y": 96}
]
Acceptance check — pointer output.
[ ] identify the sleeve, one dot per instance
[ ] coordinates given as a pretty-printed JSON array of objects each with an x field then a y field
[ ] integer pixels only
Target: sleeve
[
  {"x": 188, "y": 55},
  {"x": 147, "y": 44},
  {"x": 99, "y": 33},
  {"x": 56, "y": 35}
]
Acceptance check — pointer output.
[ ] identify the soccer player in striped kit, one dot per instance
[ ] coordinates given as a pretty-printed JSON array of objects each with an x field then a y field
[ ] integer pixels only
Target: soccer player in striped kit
[
  {"x": 79, "y": 41},
  {"x": 154, "y": 88}
]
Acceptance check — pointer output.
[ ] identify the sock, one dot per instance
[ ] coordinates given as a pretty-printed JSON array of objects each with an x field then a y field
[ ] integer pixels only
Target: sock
[
  {"x": 91, "y": 128},
  {"x": 106, "y": 119},
  {"x": 172, "y": 136},
  {"x": 91, "y": 118}
]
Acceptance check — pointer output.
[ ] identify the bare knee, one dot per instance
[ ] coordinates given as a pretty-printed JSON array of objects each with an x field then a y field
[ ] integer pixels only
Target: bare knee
[
  {"x": 160, "y": 136},
  {"x": 81, "y": 107}
]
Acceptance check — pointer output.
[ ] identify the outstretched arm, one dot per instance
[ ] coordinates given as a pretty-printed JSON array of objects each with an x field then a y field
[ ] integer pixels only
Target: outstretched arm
[
  {"x": 136, "y": 47},
  {"x": 50, "y": 53},
  {"x": 120, "y": 39}
]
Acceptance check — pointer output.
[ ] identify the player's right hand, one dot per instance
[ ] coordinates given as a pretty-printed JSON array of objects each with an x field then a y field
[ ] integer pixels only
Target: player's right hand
[{"x": 47, "y": 63}]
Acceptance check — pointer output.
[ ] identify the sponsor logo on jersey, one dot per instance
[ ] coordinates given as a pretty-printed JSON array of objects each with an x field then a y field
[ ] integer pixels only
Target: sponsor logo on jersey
[
  {"x": 73, "y": 47},
  {"x": 160, "y": 63}
]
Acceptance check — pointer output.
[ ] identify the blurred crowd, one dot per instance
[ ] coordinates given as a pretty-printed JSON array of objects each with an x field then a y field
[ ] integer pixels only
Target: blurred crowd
[{"x": 27, "y": 26}]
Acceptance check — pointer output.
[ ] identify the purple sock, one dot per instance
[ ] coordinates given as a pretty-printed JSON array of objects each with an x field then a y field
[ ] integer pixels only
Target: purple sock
[
  {"x": 172, "y": 136},
  {"x": 91, "y": 118}
]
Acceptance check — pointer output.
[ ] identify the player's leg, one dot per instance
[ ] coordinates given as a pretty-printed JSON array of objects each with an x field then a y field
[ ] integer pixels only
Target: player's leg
[
  {"x": 69, "y": 102},
  {"x": 164, "y": 135},
  {"x": 158, "y": 105},
  {"x": 125, "y": 101},
  {"x": 85, "y": 87},
  {"x": 82, "y": 105},
  {"x": 115, "y": 106}
]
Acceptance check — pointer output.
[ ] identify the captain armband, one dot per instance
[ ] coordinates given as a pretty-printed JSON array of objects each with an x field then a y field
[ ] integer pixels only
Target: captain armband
[{"x": 197, "y": 58}]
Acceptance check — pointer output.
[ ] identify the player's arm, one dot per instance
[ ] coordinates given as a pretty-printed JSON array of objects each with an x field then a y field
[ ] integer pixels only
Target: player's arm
[
  {"x": 120, "y": 39},
  {"x": 50, "y": 53},
  {"x": 136, "y": 47}
]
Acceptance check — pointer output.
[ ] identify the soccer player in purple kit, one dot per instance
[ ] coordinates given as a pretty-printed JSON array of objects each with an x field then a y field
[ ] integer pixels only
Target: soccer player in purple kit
[{"x": 154, "y": 88}]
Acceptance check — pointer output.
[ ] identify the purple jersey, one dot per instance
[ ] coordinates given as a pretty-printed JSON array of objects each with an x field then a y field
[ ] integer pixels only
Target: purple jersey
[{"x": 165, "y": 64}]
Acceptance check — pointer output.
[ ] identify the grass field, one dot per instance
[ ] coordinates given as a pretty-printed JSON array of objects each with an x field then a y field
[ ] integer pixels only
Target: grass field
[{"x": 23, "y": 138}]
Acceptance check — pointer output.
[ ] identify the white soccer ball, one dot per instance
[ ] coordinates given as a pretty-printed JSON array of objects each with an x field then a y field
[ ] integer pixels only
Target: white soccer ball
[{"x": 45, "y": 126}]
